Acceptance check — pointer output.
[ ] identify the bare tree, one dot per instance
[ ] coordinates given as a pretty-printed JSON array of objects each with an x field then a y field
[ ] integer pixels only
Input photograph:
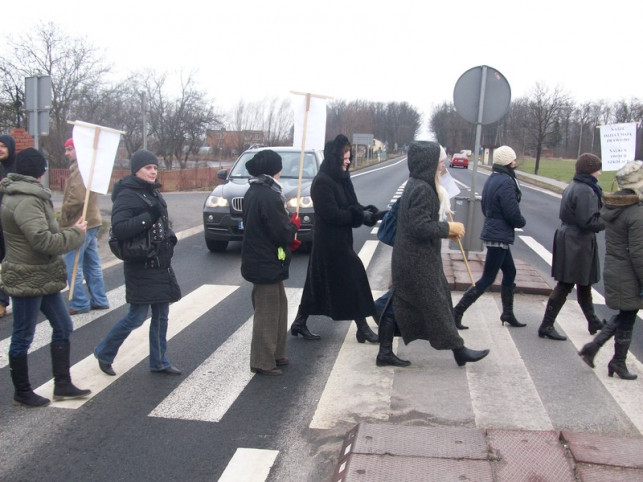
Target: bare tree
[{"x": 74, "y": 66}]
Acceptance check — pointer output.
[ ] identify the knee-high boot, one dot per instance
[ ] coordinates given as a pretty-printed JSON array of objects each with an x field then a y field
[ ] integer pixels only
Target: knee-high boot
[
  {"x": 386, "y": 356},
  {"x": 364, "y": 332},
  {"x": 507, "y": 297},
  {"x": 589, "y": 350},
  {"x": 63, "y": 387},
  {"x": 622, "y": 340},
  {"x": 584, "y": 298},
  {"x": 554, "y": 304},
  {"x": 468, "y": 298},
  {"x": 299, "y": 327},
  {"x": 23, "y": 394}
]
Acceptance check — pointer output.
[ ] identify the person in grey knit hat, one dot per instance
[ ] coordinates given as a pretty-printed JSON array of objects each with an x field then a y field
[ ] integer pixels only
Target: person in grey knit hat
[
  {"x": 575, "y": 253},
  {"x": 501, "y": 206},
  {"x": 623, "y": 216}
]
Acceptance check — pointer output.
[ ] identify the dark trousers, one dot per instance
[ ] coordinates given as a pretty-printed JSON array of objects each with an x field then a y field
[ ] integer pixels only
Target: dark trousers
[{"x": 498, "y": 259}]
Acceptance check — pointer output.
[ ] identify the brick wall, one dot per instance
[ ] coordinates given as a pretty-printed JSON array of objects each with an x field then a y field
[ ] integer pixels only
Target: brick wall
[{"x": 22, "y": 138}]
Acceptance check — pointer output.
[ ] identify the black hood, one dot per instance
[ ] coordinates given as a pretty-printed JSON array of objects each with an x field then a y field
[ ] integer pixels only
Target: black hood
[
  {"x": 9, "y": 164},
  {"x": 334, "y": 157}
]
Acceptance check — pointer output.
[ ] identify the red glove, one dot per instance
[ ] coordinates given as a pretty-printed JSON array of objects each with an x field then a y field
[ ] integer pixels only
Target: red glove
[
  {"x": 296, "y": 220},
  {"x": 294, "y": 246}
]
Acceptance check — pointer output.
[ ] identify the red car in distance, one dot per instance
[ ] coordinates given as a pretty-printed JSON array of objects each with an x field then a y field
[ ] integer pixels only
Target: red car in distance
[{"x": 459, "y": 160}]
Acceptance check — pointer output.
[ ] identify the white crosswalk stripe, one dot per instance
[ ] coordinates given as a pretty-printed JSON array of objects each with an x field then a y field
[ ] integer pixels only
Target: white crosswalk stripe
[{"x": 86, "y": 373}]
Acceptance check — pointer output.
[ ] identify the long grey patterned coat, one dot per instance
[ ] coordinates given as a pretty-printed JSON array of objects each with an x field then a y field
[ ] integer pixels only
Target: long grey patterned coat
[{"x": 421, "y": 295}]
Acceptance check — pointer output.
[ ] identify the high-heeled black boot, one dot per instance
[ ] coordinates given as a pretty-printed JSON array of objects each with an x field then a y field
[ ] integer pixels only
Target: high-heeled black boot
[
  {"x": 584, "y": 298},
  {"x": 554, "y": 304},
  {"x": 622, "y": 340},
  {"x": 299, "y": 327},
  {"x": 589, "y": 350},
  {"x": 507, "y": 298},
  {"x": 468, "y": 298},
  {"x": 386, "y": 357},
  {"x": 464, "y": 355},
  {"x": 364, "y": 332}
]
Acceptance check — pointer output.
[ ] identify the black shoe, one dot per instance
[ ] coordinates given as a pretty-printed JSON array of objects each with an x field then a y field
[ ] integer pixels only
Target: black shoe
[
  {"x": 281, "y": 362},
  {"x": 551, "y": 333},
  {"x": 364, "y": 332},
  {"x": 96, "y": 307},
  {"x": 464, "y": 355},
  {"x": 390, "y": 359},
  {"x": 106, "y": 368},
  {"x": 275, "y": 372},
  {"x": 68, "y": 391},
  {"x": 457, "y": 317},
  {"x": 594, "y": 325},
  {"x": 171, "y": 370},
  {"x": 588, "y": 352},
  {"x": 30, "y": 399},
  {"x": 299, "y": 327}
]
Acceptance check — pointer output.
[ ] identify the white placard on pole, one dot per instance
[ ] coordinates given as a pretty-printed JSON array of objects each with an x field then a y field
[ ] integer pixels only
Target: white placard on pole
[{"x": 618, "y": 145}]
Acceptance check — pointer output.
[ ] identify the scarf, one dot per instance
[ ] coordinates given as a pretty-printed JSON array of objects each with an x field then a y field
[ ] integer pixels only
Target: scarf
[
  {"x": 592, "y": 182},
  {"x": 509, "y": 172},
  {"x": 268, "y": 181}
]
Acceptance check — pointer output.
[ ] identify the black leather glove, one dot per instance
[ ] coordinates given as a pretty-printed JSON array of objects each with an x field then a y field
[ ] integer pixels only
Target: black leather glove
[
  {"x": 371, "y": 208},
  {"x": 155, "y": 211},
  {"x": 369, "y": 218}
]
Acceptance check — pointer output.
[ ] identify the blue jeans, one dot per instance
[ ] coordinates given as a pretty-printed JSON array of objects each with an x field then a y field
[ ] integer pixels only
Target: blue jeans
[
  {"x": 108, "y": 348},
  {"x": 25, "y": 318},
  {"x": 90, "y": 269}
]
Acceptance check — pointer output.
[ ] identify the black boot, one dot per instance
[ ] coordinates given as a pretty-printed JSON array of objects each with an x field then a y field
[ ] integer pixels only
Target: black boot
[
  {"x": 589, "y": 351},
  {"x": 23, "y": 394},
  {"x": 507, "y": 297},
  {"x": 364, "y": 332},
  {"x": 622, "y": 340},
  {"x": 63, "y": 387},
  {"x": 584, "y": 298},
  {"x": 554, "y": 304},
  {"x": 464, "y": 355},
  {"x": 468, "y": 298},
  {"x": 299, "y": 327},
  {"x": 386, "y": 357}
]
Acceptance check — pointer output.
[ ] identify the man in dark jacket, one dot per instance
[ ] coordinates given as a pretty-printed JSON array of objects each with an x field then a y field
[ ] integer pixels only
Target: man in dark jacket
[
  {"x": 8, "y": 161},
  {"x": 265, "y": 258},
  {"x": 500, "y": 205}
]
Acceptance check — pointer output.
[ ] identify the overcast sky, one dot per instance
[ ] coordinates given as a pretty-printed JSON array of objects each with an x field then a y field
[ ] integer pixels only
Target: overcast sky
[{"x": 402, "y": 50}]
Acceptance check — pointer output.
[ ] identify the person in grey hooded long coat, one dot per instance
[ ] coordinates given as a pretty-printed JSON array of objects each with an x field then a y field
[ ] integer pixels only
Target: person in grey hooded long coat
[{"x": 421, "y": 295}]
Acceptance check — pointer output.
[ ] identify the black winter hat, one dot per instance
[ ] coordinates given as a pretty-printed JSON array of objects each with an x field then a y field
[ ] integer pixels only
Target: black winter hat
[
  {"x": 588, "y": 163},
  {"x": 264, "y": 162},
  {"x": 142, "y": 158},
  {"x": 30, "y": 162}
]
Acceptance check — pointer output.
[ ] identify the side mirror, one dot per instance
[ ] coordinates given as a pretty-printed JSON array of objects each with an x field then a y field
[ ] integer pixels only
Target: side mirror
[{"x": 222, "y": 174}]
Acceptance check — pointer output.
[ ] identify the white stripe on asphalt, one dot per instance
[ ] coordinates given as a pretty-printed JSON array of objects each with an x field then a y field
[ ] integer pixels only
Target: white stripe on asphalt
[
  {"x": 86, "y": 373},
  {"x": 210, "y": 390},
  {"x": 42, "y": 336},
  {"x": 249, "y": 465}
]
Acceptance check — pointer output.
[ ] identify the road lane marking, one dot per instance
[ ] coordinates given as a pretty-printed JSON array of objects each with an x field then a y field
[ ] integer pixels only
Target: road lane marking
[
  {"x": 86, "y": 373},
  {"x": 209, "y": 391},
  {"x": 249, "y": 465}
]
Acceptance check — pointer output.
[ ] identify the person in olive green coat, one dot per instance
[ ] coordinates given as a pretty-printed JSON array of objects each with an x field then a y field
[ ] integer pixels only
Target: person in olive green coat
[
  {"x": 33, "y": 274},
  {"x": 622, "y": 213}
]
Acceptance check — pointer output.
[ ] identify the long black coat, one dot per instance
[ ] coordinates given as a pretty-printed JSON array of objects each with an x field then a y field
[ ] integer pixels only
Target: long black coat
[
  {"x": 421, "y": 296},
  {"x": 336, "y": 284},
  {"x": 623, "y": 273},
  {"x": 152, "y": 281},
  {"x": 267, "y": 228},
  {"x": 575, "y": 252}
]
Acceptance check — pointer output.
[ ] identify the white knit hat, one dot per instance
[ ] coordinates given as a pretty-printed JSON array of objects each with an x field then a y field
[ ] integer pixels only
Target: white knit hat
[
  {"x": 630, "y": 176},
  {"x": 504, "y": 156}
]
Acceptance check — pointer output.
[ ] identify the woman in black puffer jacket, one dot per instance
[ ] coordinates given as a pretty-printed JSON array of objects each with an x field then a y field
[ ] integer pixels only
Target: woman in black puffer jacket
[
  {"x": 139, "y": 207},
  {"x": 500, "y": 205}
]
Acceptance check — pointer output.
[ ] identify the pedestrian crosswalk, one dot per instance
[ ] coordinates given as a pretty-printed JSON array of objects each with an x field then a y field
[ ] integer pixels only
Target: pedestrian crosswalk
[{"x": 502, "y": 391}]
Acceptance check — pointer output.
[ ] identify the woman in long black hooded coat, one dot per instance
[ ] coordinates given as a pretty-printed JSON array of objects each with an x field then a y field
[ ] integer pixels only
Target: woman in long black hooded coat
[{"x": 336, "y": 283}]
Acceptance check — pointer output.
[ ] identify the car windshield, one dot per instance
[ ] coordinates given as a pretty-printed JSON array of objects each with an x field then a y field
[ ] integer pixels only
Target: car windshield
[{"x": 289, "y": 161}]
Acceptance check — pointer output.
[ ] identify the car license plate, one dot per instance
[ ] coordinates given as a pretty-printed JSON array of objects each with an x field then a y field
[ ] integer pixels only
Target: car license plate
[{"x": 240, "y": 225}]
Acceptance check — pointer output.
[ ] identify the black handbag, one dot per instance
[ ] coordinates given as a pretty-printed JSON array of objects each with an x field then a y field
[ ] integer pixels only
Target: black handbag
[{"x": 135, "y": 249}]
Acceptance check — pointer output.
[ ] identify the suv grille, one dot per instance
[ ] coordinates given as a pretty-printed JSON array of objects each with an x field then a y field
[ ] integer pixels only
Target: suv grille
[{"x": 237, "y": 204}]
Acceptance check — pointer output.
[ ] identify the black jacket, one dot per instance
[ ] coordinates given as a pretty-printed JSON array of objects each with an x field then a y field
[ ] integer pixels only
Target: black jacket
[
  {"x": 265, "y": 251},
  {"x": 500, "y": 206},
  {"x": 151, "y": 281}
]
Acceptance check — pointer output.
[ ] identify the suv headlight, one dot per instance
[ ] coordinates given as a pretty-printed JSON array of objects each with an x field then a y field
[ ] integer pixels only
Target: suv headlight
[
  {"x": 216, "y": 202},
  {"x": 304, "y": 202}
]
